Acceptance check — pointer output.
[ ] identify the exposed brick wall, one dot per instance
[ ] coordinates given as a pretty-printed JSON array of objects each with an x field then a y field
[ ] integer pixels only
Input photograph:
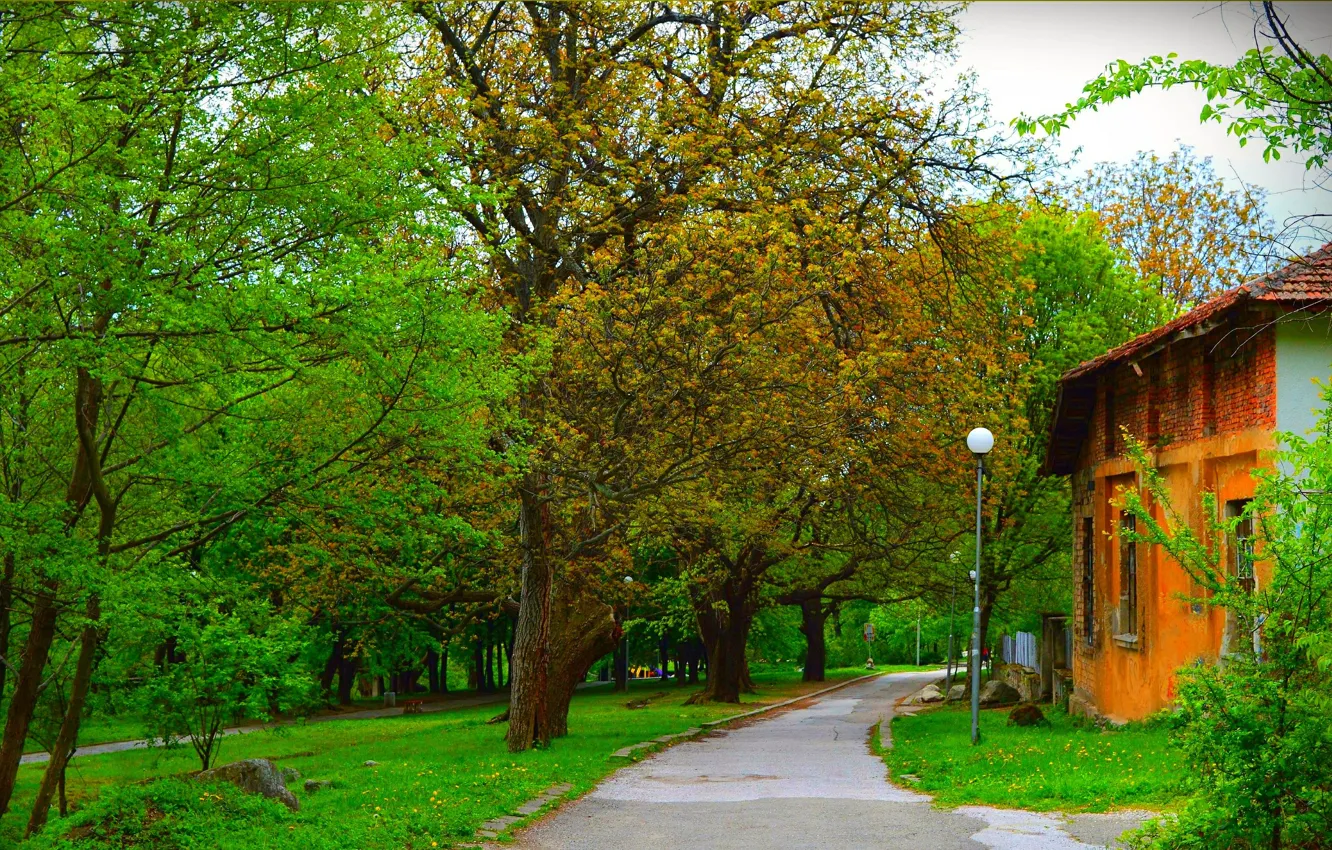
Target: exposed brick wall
[{"x": 1220, "y": 383}]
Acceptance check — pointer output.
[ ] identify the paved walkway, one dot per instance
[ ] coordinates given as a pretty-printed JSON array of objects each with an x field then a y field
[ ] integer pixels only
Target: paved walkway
[{"x": 801, "y": 779}]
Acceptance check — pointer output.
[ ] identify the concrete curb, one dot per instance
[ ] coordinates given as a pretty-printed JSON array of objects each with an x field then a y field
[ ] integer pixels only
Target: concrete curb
[{"x": 628, "y": 752}]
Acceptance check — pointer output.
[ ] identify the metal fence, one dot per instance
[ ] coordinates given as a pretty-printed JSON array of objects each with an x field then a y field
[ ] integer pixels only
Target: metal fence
[{"x": 1021, "y": 649}]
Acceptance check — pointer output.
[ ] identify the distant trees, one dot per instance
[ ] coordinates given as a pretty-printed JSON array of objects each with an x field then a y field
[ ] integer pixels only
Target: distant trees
[{"x": 1181, "y": 228}]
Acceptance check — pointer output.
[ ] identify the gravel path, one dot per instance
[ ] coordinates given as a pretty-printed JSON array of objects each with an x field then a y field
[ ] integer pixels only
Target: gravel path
[{"x": 802, "y": 779}]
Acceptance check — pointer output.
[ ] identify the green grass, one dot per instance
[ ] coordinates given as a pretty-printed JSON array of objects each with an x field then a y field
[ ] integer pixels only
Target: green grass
[
  {"x": 1064, "y": 766},
  {"x": 439, "y": 776}
]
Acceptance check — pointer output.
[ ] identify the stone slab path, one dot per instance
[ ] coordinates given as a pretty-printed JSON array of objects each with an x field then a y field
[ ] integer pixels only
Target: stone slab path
[{"x": 802, "y": 779}]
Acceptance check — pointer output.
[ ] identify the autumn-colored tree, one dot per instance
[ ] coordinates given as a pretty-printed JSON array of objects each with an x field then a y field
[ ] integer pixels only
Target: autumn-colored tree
[
  {"x": 603, "y": 130},
  {"x": 1178, "y": 223}
]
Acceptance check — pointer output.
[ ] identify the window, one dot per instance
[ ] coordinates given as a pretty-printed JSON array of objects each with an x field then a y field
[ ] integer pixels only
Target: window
[
  {"x": 1128, "y": 576},
  {"x": 1240, "y": 545},
  {"x": 1088, "y": 582}
]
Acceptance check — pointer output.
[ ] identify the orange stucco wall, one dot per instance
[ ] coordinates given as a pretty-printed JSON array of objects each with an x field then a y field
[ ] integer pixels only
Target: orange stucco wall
[{"x": 1198, "y": 445}]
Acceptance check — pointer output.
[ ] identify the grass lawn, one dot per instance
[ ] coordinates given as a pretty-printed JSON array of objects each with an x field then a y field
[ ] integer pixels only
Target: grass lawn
[
  {"x": 1063, "y": 766},
  {"x": 439, "y": 776}
]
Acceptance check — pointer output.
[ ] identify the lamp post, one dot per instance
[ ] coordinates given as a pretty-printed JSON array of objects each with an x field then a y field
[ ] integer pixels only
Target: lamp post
[{"x": 980, "y": 441}]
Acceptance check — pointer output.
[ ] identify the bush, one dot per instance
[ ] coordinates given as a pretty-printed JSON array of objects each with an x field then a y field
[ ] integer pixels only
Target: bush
[{"x": 169, "y": 814}]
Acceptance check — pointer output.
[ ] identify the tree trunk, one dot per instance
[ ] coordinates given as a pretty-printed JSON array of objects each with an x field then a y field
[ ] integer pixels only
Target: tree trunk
[
  {"x": 346, "y": 679},
  {"x": 479, "y": 663},
  {"x": 621, "y": 666},
  {"x": 6, "y": 620},
  {"x": 69, "y": 727},
  {"x": 528, "y": 718},
  {"x": 444, "y": 667},
  {"x": 331, "y": 667},
  {"x": 725, "y": 636},
  {"x": 490, "y": 657},
  {"x": 432, "y": 670},
  {"x": 583, "y": 629},
  {"x": 27, "y": 686},
  {"x": 812, "y": 619}
]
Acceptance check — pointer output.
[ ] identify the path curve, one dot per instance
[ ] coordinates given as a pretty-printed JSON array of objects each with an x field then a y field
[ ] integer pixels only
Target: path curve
[{"x": 802, "y": 779}]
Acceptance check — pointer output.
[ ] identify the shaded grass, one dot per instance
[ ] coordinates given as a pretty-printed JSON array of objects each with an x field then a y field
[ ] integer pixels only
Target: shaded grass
[
  {"x": 1066, "y": 765},
  {"x": 439, "y": 775}
]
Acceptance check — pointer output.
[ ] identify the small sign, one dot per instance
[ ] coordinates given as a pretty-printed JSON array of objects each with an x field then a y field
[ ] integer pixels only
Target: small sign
[{"x": 869, "y": 632}]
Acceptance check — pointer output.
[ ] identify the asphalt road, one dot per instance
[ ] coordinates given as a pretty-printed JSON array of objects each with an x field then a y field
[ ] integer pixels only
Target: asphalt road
[{"x": 802, "y": 779}]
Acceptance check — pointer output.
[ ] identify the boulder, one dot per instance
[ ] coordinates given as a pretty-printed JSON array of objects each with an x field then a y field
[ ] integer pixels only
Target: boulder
[
  {"x": 370, "y": 763},
  {"x": 313, "y": 785},
  {"x": 254, "y": 776},
  {"x": 1027, "y": 714},
  {"x": 927, "y": 694},
  {"x": 289, "y": 775},
  {"x": 999, "y": 693},
  {"x": 957, "y": 692}
]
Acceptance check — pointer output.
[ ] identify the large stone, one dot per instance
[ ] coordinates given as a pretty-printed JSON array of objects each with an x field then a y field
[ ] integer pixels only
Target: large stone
[
  {"x": 254, "y": 776},
  {"x": 1027, "y": 714},
  {"x": 999, "y": 693},
  {"x": 927, "y": 694},
  {"x": 958, "y": 692}
]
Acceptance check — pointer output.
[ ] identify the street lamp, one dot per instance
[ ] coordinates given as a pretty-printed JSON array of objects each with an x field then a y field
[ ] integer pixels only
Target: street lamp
[{"x": 980, "y": 441}]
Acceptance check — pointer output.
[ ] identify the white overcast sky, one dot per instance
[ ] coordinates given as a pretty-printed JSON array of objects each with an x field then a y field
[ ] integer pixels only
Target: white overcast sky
[{"x": 1035, "y": 57}]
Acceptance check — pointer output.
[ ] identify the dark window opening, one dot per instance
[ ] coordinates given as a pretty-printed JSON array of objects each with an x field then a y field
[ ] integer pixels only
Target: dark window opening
[
  {"x": 1240, "y": 545},
  {"x": 1088, "y": 582},
  {"x": 1128, "y": 575}
]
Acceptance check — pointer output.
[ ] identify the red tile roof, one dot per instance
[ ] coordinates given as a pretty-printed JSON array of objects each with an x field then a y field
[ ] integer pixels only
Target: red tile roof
[{"x": 1307, "y": 279}]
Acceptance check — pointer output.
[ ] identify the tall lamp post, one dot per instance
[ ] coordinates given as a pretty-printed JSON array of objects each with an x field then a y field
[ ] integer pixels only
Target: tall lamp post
[{"x": 980, "y": 441}]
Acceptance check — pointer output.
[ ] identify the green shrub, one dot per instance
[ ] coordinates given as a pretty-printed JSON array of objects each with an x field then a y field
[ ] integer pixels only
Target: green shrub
[{"x": 168, "y": 814}]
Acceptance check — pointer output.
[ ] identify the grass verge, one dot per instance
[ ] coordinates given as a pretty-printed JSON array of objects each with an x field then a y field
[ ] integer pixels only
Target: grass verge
[
  {"x": 438, "y": 777},
  {"x": 1065, "y": 766}
]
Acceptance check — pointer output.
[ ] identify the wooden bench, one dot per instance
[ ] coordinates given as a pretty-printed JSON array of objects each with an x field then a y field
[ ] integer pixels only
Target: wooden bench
[{"x": 412, "y": 706}]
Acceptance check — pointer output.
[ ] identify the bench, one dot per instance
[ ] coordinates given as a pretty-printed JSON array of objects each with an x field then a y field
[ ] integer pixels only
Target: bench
[{"x": 412, "y": 706}]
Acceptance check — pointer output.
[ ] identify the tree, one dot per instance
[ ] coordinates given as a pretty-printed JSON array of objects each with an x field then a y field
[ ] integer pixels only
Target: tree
[
  {"x": 1075, "y": 298},
  {"x": 603, "y": 133},
  {"x": 1279, "y": 93},
  {"x": 209, "y": 304},
  {"x": 1178, "y": 224}
]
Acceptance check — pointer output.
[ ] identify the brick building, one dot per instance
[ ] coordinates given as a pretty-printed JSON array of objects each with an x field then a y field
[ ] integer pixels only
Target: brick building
[{"x": 1206, "y": 394}]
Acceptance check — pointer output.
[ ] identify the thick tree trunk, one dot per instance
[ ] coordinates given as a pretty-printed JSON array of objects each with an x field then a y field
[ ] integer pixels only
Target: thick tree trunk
[
  {"x": 987, "y": 608},
  {"x": 69, "y": 727},
  {"x": 583, "y": 629},
  {"x": 527, "y": 701},
  {"x": 23, "y": 699},
  {"x": 725, "y": 637},
  {"x": 813, "y": 616}
]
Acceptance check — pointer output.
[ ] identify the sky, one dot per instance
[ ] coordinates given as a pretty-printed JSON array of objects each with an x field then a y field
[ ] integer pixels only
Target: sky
[{"x": 1034, "y": 58}]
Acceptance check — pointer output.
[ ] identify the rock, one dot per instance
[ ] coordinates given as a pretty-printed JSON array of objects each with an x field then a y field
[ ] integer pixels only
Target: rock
[
  {"x": 1027, "y": 714},
  {"x": 370, "y": 763},
  {"x": 999, "y": 693},
  {"x": 957, "y": 692},
  {"x": 289, "y": 774},
  {"x": 927, "y": 694},
  {"x": 254, "y": 776},
  {"x": 313, "y": 785}
]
